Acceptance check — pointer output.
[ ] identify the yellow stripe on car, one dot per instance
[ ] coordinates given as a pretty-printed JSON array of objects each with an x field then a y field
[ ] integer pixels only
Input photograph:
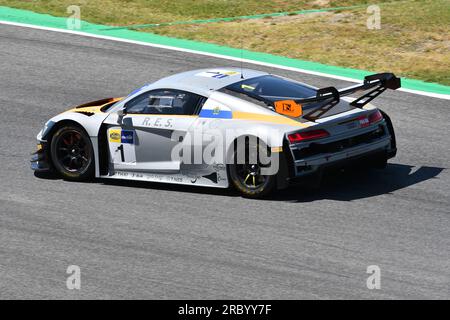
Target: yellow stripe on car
[
  {"x": 267, "y": 118},
  {"x": 276, "y": 149},
  {"x": 88, "y": 109},
  {"x": 94, "y": 109}
]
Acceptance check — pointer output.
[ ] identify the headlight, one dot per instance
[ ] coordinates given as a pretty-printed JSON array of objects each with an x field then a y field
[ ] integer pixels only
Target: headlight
[{"x": 45, "y": 130}]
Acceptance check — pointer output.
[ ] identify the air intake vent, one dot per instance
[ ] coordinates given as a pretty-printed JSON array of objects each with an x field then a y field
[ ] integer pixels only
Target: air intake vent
[{"x": 86, "y": 113}]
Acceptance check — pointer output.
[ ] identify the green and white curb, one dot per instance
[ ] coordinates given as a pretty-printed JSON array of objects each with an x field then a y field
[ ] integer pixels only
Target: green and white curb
[{"x": 34, "y": 20}]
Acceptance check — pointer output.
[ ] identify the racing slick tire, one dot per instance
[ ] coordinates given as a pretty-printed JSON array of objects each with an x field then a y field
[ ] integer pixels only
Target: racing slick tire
[
  {"x": 390, "y": 127},
  {"x": 72, "y": 153},
  {"x": 247, "y": 177}
]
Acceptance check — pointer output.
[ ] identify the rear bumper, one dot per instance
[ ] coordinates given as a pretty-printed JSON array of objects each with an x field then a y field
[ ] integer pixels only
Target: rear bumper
[
  {"x": 371, "y": 143},
  {"x": 39, "y": 159},
  {"x": 329, "y": 158}
]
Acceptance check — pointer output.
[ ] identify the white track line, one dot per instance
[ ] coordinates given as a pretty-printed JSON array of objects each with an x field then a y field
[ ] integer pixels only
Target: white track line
[{"x": 86, "y": 34}]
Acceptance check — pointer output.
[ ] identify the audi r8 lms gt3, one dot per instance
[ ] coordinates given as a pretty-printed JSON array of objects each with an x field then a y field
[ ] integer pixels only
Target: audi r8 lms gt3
[{"x": 219, "y": 128}]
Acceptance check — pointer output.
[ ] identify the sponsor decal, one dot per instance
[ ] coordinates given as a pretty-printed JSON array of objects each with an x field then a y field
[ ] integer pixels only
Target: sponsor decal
[
  {"x": 157, "y": 122},
  {"x": 216, "y": 110},
  {"x": 176, "y": 178},
  {"x": 363, "y": 121},
  {"x": 289, "y": 108},
  {"x": 222, "y": 114},
  {"x": 121, "y": 136},
  {"x": 115, "y": 135},
  {"x": 127, "y": 136},
  {"x": 247, "y": 87},
  {"x": 217, "y": 73}
]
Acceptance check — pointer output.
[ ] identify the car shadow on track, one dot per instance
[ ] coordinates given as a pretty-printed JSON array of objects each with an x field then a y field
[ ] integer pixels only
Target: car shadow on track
[
  {"x": 150, "y": 185},
  {"x": 340, "y": 185},
  {"x": 360, "y": 183}
]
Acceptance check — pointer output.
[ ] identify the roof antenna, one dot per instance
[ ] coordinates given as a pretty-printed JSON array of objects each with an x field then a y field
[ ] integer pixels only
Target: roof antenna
[{"x": 242, "y": 50}]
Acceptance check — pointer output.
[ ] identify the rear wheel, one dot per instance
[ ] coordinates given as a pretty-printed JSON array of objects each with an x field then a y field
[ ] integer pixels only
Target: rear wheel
[
  {"x": 72, "y": 153},
  {"x": 247, "y": 178},
  {"x": 390, "y": 127},
  {"x": 380, "y": 161}
]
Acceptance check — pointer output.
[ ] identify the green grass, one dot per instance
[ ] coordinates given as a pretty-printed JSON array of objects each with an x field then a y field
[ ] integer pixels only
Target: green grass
[
  {"x": 130, "y": 12},
  {"x": 414, "y": 40}
]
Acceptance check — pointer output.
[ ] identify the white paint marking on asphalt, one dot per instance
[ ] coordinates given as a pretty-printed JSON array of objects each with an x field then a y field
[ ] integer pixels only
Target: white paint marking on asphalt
[{"x": 325, "y": 75}]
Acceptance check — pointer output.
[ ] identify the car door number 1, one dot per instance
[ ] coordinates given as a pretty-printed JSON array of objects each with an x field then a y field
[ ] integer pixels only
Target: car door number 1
[
  {"x": 122, "y": 146},
  {"x": 122, "y": 154}
]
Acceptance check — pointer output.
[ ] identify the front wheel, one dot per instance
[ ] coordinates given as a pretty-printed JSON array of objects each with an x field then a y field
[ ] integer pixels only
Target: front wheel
[
  {"x": 72, "y": 153},
  {"x": 246, "y": 177}
]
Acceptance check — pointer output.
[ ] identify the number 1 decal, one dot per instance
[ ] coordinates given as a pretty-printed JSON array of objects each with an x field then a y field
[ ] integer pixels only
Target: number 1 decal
[
  {"x": 122, "y": 155},
  {"x": 121, "y": 146}
]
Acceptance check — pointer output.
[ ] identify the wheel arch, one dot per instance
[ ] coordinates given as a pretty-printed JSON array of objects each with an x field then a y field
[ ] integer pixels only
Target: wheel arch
[
  {"x": 57, "y": 125},
  {"x": 284, "y": 170},
  {"x": 231, "y": 147},
  {"x": 71, "y": 122}
]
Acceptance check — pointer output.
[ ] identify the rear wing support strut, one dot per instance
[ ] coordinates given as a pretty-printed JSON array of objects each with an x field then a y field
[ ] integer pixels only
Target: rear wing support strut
[
  {"x": 379, "y": 81},
  {"x": 327, "y": 98}
]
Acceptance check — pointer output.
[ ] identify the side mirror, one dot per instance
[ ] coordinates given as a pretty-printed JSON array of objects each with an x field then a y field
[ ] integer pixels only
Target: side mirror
[{"x": 122, "y": 112}]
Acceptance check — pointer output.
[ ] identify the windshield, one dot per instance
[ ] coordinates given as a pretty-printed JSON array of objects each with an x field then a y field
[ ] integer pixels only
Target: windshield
[
  {"x": 271, "y": 88},
  {"x": 266, "y": 90}
]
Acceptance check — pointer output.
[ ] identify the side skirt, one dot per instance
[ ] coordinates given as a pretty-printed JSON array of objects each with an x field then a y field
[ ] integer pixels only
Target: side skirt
[{"x": 215, "y": 179}]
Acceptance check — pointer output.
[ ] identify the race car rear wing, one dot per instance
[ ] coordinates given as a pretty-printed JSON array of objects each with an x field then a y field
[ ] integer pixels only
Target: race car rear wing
[
  {"x": 379, "y": 81},
  {"x": 327, "y": 98}
]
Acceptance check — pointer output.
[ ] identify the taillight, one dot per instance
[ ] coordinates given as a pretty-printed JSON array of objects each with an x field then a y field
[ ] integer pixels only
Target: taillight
[
  {"x": 363, "y": 121},
  {"x": 375, "y": 117},
  {"x": 307, "y": 135}
]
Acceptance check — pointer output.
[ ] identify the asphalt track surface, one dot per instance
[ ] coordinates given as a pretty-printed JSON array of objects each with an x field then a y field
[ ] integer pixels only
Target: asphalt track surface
[{"x": 148, "y": 240}]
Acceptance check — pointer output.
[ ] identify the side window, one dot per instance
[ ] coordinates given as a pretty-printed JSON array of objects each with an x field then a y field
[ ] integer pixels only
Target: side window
[{"x": 166, "y": 101}]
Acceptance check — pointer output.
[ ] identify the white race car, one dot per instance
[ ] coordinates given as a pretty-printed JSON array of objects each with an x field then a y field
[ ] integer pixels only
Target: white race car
[{"x": 219, "y": 128}]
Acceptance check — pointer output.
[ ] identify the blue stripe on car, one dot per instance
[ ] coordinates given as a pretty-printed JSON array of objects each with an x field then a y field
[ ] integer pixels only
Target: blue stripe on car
[{"x": 222, "y": 114}]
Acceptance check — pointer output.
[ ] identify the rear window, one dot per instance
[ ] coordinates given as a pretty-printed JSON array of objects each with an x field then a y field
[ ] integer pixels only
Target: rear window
[{"x": 270, "y": 88}]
